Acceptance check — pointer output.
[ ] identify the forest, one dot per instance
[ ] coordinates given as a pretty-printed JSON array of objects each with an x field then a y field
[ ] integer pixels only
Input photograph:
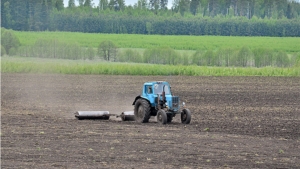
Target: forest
[{"x": 186, "y": 17}]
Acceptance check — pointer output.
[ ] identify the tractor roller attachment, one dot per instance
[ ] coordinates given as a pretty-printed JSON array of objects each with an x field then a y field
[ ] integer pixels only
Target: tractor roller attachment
[
  {"x": 156, "y": 99},
  {"x": 127, "y": 116},
  {"x": 103, "y": 115}
]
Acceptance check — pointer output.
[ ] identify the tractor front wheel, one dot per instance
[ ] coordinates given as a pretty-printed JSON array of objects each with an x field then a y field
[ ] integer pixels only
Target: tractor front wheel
[
  {"x": 142, "y": 111},
  {"x": 186, "y": 116},
  {"x": 162, "y": 116}
]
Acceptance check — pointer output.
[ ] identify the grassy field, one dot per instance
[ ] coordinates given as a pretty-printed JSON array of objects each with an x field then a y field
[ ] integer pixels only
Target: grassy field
[
  {"x": 59, "y": 66},
  {"x": 287, "y": 44}
]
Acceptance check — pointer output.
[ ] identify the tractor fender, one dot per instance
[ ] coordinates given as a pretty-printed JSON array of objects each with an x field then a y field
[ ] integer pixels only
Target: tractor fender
[
  {"x": 140, "y": 97},
  {"x": 136, "y": 98}
]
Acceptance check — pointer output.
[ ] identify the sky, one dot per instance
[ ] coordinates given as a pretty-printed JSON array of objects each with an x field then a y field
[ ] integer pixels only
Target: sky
[{"x": 127, "y": 2}]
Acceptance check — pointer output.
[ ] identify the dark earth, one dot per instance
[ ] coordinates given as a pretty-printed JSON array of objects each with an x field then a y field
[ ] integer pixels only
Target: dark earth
[{"x": 237, "y": 122}]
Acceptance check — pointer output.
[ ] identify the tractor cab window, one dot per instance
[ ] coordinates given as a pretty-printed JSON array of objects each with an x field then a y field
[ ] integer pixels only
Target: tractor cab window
[
  {"x": 149, "y": 89},
  {"x": 159, "y": 88}
]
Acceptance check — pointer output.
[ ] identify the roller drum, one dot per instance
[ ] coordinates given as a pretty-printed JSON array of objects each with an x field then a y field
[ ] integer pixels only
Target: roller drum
[
  {"x": 104, "y": 115},
  {"x": 127, "y": 116}
]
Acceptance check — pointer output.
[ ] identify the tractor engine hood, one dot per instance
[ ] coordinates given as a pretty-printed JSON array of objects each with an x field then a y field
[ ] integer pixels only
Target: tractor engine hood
[{"x": 172, "y": 102}]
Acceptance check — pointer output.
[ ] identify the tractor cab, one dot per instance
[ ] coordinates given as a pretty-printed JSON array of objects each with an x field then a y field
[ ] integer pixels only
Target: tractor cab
[
  {"x": 156, "y": 88},
  {"x": 158, "y": 94}
]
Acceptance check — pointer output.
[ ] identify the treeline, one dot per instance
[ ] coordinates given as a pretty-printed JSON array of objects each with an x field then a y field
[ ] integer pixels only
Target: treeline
[
  {"x": 185, "y": 17},
  {"x": 108, "y": 51},
  {"x": 27, "y": 15},
  {"x": 51, "y": 48},
  {"x": 175, "y": 26},
  {"x": 228, "y": 57}
]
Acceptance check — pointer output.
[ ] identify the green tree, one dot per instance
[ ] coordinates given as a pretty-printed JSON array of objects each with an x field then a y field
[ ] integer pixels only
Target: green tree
[
  {"x": 149, "y": 27},
  {"x": 154, "y": 5},
  {"x": 130, "y": 56},
  {"x": 12, "y": 51},
  {"x": 142, "y": 4},
  {"x": 71, "y": 4},
  {"x": 213, "y": 7},
  {"x": 163, "y": 55},
  {"x": 169, "y": 56},
  {"x": 175, "y": 6},
  {"x": 209, "y": 58},
  {"x": 297, "y": 63},
  {"x": 183, "y": 6},
  {"x": 153, "y": 56},
  {"x": 37, "y": 17},
  {"x": 103, "y": 4},
  {"x": 263, "y": 57},
  {"x": 80, "y": 2},
  {"x": 108, "y": 50},
  {"x": 3, "y": 51},
  {"x": 87, "y": 3},
  {"x": 8, "y": 18},
  {"x": 281, "y": 59},
  {"x": 197, "y": 58},
  {"x": 185, "y": 60},
  {"x": 244, "y": 57},
  {"x": 289, "y": 12},
  {"x": 58, "y": 4},
  {"x": 9, "y": 40},
  {"x": 117, "y": 5},
  {"x": 121, "y": 4},
  {"x": 163, "y": 4},
  {"x": 194, "y": 6},
  {"x": 224, "y": 57},
  {"x": 90, "y": 53},
  {"x": 19, "y": 15},
  {"x": 45, "y": 14}
]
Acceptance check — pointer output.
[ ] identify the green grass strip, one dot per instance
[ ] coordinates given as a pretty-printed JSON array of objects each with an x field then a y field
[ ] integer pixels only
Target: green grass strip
[
  {"x": 180, "y": 42},
  {"x": 57, "y": 66}
]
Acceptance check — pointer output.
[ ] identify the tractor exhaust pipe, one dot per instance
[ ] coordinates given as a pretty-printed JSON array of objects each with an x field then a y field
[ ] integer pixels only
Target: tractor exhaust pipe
[
  {"x": 103, "y": 115},
  {"x": 127, "y": 116}
]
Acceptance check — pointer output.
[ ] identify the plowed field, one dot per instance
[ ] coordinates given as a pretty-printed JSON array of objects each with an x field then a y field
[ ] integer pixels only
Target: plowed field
[{"x": 237, "y": 122}]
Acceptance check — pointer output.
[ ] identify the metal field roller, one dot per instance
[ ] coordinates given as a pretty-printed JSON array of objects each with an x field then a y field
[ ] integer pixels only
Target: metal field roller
[
  {"x": 127, "y": 116},
  {"x": 103, "y": 115}
]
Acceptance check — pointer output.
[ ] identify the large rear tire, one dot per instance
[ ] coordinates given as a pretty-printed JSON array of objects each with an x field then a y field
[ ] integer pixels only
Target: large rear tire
[
  {"x": 162, "y": 116},
  {"x": 186, "y": 116},
  {"x": 142, "y": 111}
]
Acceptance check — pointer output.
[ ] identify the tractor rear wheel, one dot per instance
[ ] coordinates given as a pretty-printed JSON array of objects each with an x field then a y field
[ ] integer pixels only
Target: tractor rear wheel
[
  {"x": 186, "y": 116},
  {"x": 142, "y": 111},
  {"x": 162, "y": 116}
]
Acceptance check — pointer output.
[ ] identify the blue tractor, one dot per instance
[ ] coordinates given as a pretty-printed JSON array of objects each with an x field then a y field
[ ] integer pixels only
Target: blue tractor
[{"x": 157, "y": 100}]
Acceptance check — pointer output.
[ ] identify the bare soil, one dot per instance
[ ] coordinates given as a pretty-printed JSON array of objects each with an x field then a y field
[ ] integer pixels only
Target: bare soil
[{"x": 237, "y": 122}]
